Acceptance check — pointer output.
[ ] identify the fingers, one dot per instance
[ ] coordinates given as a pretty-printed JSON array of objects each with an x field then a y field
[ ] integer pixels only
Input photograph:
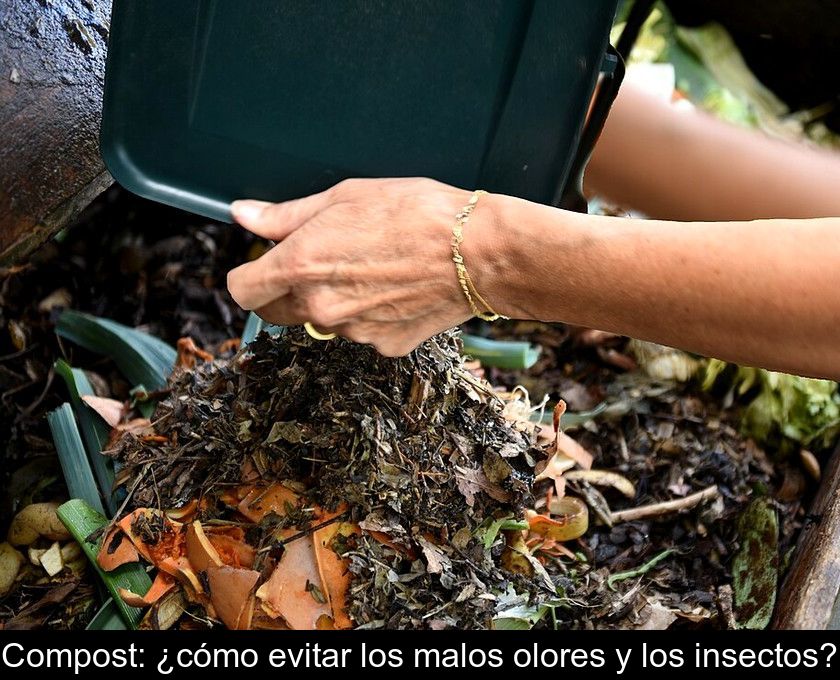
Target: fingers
[
  {"x": 319, "y": 306},
  {"x": 255, "y": 284},
  {"x": 282, "y": 312},
  {"x": 277, "y": 220}
]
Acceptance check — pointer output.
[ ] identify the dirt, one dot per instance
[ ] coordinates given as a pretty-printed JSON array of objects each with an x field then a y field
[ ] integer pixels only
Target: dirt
[{"x": 164, "y": 271}]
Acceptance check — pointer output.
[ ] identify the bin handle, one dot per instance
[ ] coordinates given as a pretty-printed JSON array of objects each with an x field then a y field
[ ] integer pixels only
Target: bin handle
[{"x": 571, "y": 197}]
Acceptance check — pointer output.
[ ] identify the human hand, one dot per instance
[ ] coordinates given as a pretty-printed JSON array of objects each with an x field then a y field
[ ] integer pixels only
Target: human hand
[{"x": 368, "y": 259}]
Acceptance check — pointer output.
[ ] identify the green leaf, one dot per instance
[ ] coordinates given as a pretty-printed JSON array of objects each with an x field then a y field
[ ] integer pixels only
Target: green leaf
[
  {"x": 505, "y": 354},
  {"x": 782, "y": 409},
  {"x": 143, "y": 359},
  {"x": 254, "y": 325},
  {"x": 142, "y": 402},
  {"x": 107, "y": 618},
  {"x": 82, "y": 521},
  {"x": 490, "y": 528},
  {"x": 755, "y": 567},
  {"x": 94, "y": 430},
  {"x": 513, "y": 525},
  {"x": 612, "y": 579},
  {"x": 73, "y": 457},
  {"x": 509, "y": 623},
  {"x": 522, "y": 617}
]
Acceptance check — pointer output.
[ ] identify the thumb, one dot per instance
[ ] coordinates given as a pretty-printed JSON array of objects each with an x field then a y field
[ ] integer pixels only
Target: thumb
[{"x": 276, "y": 221}]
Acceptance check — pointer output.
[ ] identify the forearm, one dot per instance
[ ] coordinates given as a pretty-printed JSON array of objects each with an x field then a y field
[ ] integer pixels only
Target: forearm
[
  {"x": 760, "y": 293},
  {"x": 689, "y": 166}
]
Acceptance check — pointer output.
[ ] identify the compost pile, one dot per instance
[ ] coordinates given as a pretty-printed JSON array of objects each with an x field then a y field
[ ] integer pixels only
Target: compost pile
[
  {"x": 189, "y": 467},
  {"x": 406, "y": 459}
]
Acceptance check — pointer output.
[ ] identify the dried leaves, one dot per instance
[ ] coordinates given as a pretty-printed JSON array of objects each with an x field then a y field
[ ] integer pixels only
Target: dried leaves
[{"x": 368, "y": 480}]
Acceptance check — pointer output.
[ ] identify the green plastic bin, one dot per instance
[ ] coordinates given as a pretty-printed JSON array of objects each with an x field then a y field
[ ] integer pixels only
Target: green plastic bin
[{"x": 207, "y": 101}]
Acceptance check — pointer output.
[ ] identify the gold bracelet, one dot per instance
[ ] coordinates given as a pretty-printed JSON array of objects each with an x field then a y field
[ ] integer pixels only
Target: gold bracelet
[{"x": 464, "y": 279}]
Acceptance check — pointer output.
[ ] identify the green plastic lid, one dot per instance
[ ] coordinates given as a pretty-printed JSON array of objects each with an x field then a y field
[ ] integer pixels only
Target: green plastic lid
[{"x": 207, "y": 101}]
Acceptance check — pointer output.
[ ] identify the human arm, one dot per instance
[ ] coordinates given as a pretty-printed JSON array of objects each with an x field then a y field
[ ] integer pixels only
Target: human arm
[
  {"x": 370, "y": 259},
  {"x": 686, "y": 165}
]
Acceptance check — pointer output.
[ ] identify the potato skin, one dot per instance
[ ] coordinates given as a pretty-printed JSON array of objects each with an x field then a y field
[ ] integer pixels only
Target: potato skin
[
  {"x": 10, "y": 563},
  {"x": 34, "y": 521}
]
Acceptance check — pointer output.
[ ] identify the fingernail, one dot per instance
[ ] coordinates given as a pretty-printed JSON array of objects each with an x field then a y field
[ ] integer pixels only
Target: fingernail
[{"x": 247, "y": 211}]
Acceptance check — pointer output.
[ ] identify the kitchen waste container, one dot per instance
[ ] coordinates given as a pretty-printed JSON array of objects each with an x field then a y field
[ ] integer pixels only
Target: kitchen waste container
[{"x": 207, "y": 101}]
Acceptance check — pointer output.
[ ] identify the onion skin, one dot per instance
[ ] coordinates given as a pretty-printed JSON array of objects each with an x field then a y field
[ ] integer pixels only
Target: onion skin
[{"x": 569, "y": 520}]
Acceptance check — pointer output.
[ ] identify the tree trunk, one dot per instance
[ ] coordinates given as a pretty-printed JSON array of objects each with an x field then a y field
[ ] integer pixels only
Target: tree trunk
[
  {"x": 810, "y": 595},
  {"x": 52, "y": 66}
]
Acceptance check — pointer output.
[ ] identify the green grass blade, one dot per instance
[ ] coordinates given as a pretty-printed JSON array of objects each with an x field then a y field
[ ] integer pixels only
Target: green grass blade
[
  {"x": 254, "y": 325},
  {"x": 82, "y": 521},
  {"x": 107, "y": 618},
  {"x": 95, "y": 431},
  {"x": 511, "y": 355},
  {"x": 73, "y": 457},
  {"x": 143, "y": 359}
]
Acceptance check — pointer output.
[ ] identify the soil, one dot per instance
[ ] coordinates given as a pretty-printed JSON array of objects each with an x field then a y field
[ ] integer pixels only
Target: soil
[{"x": 164, "y": 271}]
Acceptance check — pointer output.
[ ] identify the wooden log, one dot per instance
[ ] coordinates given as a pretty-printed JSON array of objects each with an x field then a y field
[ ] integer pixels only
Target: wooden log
[
  {"x": 52, "y": 66},
  {"x": 810, "y": 595}
]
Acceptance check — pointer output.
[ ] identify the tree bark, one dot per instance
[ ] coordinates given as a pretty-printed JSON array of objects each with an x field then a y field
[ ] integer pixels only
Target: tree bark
[
  {"x": 52, "y": 67},
  {"x": 810, "y": 595}
]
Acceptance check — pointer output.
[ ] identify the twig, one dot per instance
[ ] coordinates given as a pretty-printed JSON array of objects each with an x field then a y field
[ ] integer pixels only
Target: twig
[
  {"x": 306, "y": 532},
  {"x": 19, "y": 353},
  {"x": 130, "y": 492},
  {"x": 595, "y": 500},
  {"x": 25, "y": 413},
  {"x": 666, "y": 507}
]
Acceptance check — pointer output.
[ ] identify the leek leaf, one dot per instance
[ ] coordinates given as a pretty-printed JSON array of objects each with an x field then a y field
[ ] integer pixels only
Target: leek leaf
[{"x": 82, "y": 521}]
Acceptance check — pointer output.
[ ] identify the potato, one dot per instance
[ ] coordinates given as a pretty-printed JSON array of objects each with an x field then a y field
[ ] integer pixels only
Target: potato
[
  {"x": 10, "y": 564},
  {"x": 35, "y": 520},
  {"x": 51, "y": 560},
  {"x": 71, "y": 551}
]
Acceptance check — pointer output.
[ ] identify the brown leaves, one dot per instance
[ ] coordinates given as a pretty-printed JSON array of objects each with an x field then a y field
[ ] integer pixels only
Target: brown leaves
[
  {"x": 189, "y": 352},
  {"x": 436, "y": 558},
  {"x": 110, "y": 410},
  {"x": 472, "y": 480},
  {"x": 403, "y": 442}
]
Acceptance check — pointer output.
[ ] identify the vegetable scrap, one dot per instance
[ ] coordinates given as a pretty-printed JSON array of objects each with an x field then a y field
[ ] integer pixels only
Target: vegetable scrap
[
  {"x": 307, "y": 485},
  {"x": 39, "y": 546},
  {"x": 671, "y": 470}
]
